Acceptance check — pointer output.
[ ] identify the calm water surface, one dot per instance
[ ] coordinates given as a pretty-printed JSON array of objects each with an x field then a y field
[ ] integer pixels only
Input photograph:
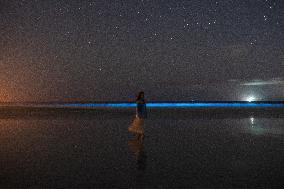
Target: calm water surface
[{"x": 178, "y": 149}]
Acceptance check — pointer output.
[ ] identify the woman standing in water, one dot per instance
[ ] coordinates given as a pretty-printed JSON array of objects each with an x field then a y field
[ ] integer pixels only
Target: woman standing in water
[
  {"x": 136, "y": 126},
  {"x": 141, "y": 106},
  {"x": 136, "y": 144}
]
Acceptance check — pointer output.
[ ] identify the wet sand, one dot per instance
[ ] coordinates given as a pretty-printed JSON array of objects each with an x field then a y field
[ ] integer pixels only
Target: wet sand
[{"x": 182, "y": 148}]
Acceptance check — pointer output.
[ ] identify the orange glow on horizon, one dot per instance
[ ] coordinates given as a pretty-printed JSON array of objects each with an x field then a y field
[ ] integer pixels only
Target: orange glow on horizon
[{"x": 4, "y": 96}]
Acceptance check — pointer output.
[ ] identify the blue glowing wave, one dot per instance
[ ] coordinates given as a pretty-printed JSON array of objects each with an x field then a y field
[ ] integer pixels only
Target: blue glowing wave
[{"x": 179, "y": 104}]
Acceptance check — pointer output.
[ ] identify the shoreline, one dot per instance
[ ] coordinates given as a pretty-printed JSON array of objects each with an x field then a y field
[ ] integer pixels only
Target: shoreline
[{"x": 153, "y": 112}]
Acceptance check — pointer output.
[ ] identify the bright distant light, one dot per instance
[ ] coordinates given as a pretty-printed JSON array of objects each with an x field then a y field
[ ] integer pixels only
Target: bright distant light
[{"x": 251, "y": 98}]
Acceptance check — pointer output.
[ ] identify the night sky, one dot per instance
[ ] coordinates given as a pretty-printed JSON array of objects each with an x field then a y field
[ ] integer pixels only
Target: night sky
[{"x": 108, "y": 50}]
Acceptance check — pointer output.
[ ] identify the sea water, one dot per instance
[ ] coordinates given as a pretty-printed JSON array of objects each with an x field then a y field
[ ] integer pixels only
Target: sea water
[{"x": 181, "y": 148}]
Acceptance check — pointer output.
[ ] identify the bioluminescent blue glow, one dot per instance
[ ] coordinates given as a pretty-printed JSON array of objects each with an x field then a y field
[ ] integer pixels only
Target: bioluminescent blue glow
[{"x": 179, "y": 104}]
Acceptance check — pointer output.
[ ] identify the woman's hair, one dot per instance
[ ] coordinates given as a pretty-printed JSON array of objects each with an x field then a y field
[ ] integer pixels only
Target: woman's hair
[{"x": 140, "y": 95}]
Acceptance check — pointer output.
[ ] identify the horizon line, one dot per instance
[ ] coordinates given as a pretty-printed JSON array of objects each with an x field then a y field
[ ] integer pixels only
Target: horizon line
[{"x": 149, "y": 104}]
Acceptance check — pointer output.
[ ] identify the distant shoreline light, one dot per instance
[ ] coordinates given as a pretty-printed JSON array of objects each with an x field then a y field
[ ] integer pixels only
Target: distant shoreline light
[{"x": 178, "y": 104}]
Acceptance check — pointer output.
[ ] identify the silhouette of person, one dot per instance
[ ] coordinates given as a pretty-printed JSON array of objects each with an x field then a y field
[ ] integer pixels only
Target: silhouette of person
[{"x": 141, "y": 106}]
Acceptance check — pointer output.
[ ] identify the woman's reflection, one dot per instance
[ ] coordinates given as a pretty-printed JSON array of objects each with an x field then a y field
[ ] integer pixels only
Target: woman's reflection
[{"x": 136, "y": 144}]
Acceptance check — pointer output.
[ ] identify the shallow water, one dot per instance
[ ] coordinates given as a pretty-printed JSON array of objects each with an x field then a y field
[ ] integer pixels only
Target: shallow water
[{"x": 180, "y": 149}]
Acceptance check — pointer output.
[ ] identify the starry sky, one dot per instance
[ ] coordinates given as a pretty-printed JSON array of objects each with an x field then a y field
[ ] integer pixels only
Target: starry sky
[{"x": 174, "y": 50}]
